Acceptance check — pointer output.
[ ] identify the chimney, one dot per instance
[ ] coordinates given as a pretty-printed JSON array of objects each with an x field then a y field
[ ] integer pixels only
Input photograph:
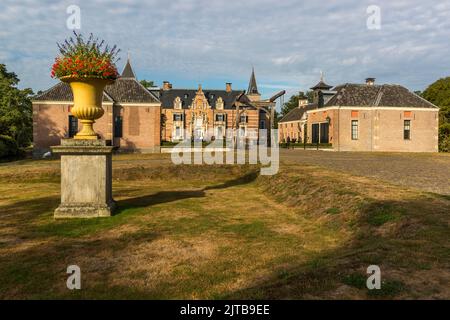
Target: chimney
[
  {"x": 166, "y": 85},
  {"x": 228, "y": 86},
  {"x": 302, "y": 103},
  {"x": 370, "y": 81}
]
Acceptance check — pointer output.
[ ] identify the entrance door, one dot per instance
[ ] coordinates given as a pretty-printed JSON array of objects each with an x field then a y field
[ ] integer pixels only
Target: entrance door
[
  {"x": 324, "y": 132},
  {"x": 315, "y": 133}
]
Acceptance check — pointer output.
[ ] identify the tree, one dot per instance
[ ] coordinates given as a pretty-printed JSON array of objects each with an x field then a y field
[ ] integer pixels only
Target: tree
[
  {"x": 293, "y": 102},
  {"x": 15, "y": 109},
  {"x": 439, "y": 94},
  {"x": 147, "y": 84}
]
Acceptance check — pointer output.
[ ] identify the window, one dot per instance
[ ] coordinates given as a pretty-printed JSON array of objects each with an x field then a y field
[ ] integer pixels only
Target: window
[
  {"x": 262, "y": 124},
  {"x": 177, "y": 117},
  {"x": 73, "y": 126},
  {"x": 354, "y": 129},
  {"x": 118, "y": 126},
  {"x": 244, "y": 118},
  {"x": 407, "y": 130},
  {"x": 242, "y": 132},
  {"x": 220, "y": 117}
]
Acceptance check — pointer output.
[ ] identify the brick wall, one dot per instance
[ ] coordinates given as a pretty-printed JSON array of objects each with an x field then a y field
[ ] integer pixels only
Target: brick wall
[
  {"x": 140, "y": 129},
  {"x": 51, "y": 123},
  {"x": 379, "y": 129}
]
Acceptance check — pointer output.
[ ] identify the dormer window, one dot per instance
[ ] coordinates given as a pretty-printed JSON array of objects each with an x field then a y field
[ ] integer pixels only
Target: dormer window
[
  {"x": 186, "y": 96},
  {"x": 177, "y": 103},
  {"x": 219, "y": 103}
]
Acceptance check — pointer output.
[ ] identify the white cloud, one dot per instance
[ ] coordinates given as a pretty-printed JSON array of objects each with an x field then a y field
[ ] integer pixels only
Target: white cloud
[{"x": 287, "y": 41}]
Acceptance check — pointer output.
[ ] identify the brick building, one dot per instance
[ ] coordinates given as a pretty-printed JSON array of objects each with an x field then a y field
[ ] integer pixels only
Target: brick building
[
  {"x": 207, "y": 114},
  {"x": 292, "y": 126},
  {"x": 139, "y": 119},
  {"x": 370, "y": 117}
]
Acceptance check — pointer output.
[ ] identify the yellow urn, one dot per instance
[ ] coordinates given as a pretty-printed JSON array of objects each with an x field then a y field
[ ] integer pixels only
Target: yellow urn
[{"x": 87, "y": 102}]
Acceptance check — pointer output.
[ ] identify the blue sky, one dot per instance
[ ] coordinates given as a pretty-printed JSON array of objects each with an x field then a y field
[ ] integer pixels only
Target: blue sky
[{"x": 213, "y": 42}]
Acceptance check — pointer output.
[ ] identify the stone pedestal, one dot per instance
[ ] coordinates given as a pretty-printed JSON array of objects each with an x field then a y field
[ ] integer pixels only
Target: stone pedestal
[{"x": 86, "y": 179}]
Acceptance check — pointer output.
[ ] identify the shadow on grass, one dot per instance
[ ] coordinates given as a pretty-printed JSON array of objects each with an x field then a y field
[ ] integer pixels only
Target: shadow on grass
[
  {"x": 248, "y": 178},
  {"x": 400, "y": 237},
  {"x": 156, "y": 198},
  {"x": 171, "y": 196}
]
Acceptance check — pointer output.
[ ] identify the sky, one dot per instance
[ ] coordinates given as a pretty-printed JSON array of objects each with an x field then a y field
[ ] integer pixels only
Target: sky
[{"x": 212, "y": 42}]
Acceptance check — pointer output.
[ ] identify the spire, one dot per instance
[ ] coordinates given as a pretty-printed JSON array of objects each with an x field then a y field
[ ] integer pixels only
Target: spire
[
  {"x": 128, "y": 70},
  {"x": 321, "y": 85},
  {"x": 252, "y": 87}
]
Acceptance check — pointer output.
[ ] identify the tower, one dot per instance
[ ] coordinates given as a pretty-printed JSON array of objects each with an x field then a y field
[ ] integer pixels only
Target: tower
[{"x": 252, "y": 91}]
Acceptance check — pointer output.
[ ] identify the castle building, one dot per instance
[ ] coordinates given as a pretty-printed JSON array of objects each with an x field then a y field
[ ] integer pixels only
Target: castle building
[{"x": 140, "y": 119}]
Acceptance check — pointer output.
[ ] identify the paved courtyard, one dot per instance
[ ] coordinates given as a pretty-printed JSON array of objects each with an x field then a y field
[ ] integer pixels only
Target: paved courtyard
[{"x": 428, "y": 172}]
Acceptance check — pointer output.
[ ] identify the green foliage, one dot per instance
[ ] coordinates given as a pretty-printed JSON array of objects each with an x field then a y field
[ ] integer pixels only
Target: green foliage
[
  {"x": 293, "y": 102},
  {"x": 8, "y": 147},
  {"x": 147, "y": 84},
  {"x": 15, "y": 112},
  {"x": 439, "y": 94}
]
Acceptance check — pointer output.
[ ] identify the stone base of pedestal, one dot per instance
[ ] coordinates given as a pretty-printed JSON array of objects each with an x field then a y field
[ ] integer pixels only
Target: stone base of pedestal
[
  {"x": 86, "y": 179},
  {"x": 84, "y": 210}
]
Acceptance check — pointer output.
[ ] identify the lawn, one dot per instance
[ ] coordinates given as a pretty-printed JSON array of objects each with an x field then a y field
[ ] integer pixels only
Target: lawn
[{"x": 212, "y": 232}]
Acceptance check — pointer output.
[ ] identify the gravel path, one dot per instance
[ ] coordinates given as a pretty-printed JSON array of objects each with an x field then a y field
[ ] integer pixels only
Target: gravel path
[{"x": 428, "y": 172}]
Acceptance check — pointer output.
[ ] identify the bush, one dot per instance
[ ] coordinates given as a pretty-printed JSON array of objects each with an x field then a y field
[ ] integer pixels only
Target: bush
[
  {"x": 444, "y": 137},
  {"x": 8, "y": 147}
]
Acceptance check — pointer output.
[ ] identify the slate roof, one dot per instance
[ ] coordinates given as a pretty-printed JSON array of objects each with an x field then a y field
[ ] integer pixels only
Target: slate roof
[
  {"x": 321, "y": 86},
  {"x": 386, "y": 95},
  {"x": 252, "y": 87},
  {"x": 128, "y": 71},
  {"x": 297, "y": 113},
  {"x": 62, "y": 92},
  {"x": 167, "y": 97},
  {"x": 124, "y": 90}
]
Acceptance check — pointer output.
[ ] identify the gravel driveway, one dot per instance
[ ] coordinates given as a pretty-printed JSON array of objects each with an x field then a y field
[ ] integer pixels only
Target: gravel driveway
[{"x": 428, "y": 172}]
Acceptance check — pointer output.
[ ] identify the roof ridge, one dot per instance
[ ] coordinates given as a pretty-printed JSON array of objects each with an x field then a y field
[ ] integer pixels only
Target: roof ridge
[{"x": 425, "y": 100}]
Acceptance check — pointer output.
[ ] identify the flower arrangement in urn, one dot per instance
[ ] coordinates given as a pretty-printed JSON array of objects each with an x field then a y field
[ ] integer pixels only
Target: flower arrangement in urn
[{"x": 88, "y": 67}]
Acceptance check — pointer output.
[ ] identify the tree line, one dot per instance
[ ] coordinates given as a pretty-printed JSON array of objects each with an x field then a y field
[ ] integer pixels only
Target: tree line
[{"x": 16, "y": 116}]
